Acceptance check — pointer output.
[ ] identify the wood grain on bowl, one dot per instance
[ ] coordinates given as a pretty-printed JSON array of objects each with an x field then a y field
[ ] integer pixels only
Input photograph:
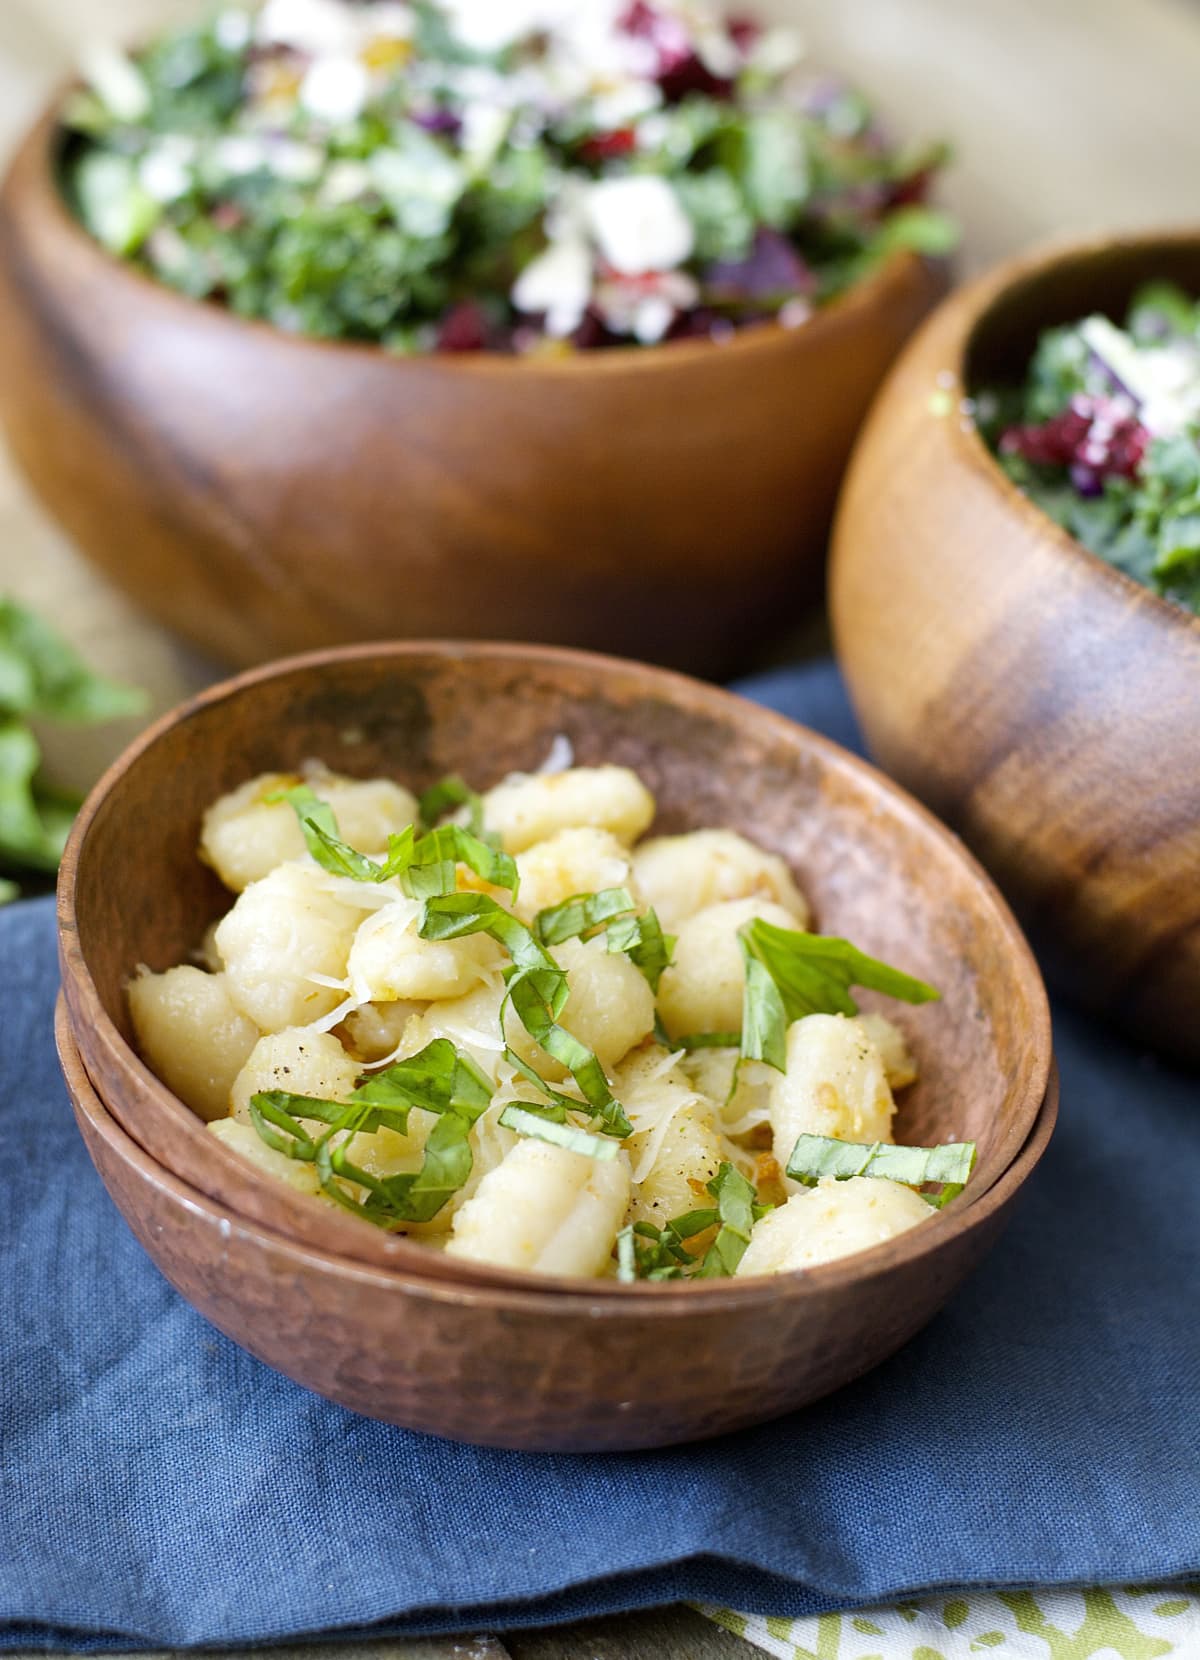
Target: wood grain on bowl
[
  {"x": 1042, "y": 702},
  {"x": 261, "y": 493},
  {"x": 541, "y": 1369},
  {"x": 877, "y": 868}
]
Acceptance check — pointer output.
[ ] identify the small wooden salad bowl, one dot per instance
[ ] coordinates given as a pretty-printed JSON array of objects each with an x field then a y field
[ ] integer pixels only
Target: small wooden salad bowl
[
  {"x": 1040, "y": 701},
  {"x": 876, "y": 867},
  {"x": 572, "y": 1368},
  {"x": 261, "y": 493}
]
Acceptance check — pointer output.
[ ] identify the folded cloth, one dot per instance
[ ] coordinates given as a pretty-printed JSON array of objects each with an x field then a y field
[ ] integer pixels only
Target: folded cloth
[{"x": 159, "y": 1488}]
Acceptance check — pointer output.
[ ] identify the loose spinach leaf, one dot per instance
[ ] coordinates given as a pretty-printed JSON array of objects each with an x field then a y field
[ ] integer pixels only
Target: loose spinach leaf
[{"x": 41, "y": 677}]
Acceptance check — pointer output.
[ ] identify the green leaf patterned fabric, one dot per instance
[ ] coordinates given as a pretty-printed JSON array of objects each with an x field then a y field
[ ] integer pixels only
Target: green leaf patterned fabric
[{"x": 1130, "y": 1623}]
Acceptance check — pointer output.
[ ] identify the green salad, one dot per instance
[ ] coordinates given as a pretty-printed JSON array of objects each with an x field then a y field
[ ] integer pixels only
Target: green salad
[
  {"x": 462, "y": 175},
  {"x": 1104, "y": 435}
]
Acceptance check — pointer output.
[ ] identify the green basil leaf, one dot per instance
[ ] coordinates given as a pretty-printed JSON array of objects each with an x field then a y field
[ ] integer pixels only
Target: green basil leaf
[
  {"x": 645, "y": 944},
  {"x": 790, "y": 974},
  {"x": 270, "y": 1115},
  {"x": 534, "y": 1121},
  {"x": 453, "y": 915},
  {"x": 764, "y": 1015},
  {"x": 428, "y": 867},
  {"x": 439, "y": 1079},
  {"x": 319, "y": 825},
  {"x": 580, "y": 914},
  {"x": 538, "y": 1018},
  {"x": 560, "y": 1103},
  {"x": 537, "y": 991},
  {"x": 738, "y": 1212},
  {"x": 23, "y": 836},
  {"x": 449, "y": 794},
  {"x": 815, "y": 1156},
  {"x": 445, "y": 1168}
]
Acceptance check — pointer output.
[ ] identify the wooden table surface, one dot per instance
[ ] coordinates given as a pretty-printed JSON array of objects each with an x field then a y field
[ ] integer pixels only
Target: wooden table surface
[{"x": 1067, "y": 115}]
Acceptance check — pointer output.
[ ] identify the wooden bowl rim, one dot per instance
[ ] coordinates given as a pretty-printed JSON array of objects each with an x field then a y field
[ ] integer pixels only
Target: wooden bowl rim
[
  {"x": 32, "y": 173},
  {"x": 676, "y": 688},
  {"x": 601, "y": 1299},
  {"x": 972, "y": 307}
]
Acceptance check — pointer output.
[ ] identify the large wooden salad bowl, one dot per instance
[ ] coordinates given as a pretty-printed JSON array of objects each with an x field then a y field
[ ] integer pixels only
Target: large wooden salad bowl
[
  {"x": 1040, "y": 701},
  {"x": 261, "y": 493},
  {"x": 876, "y": 867}
]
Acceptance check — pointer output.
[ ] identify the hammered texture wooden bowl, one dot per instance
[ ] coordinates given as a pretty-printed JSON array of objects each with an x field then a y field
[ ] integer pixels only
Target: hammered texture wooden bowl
[
  {"x": 877, "y": 868},
  {"x": 1041, "y": 702},
  {"x": 576, "y": 1370},
  {"x": 260, "y": 493}
]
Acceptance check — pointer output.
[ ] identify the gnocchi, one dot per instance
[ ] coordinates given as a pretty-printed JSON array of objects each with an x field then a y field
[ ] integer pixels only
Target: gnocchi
[
  {"x": 192, "y": 1033},
  {"x": 494, "y": 1044},
  {"x": 248, "y": 832},
  {"x": 285, "y": 946},
  {"x": 831, "y": 1220},
  {"x": 835, "y": 1085},
  {"x": 531, "y": 807},
  {"x": 702, "y": 992},
  {"x": 680, "y": 875}
]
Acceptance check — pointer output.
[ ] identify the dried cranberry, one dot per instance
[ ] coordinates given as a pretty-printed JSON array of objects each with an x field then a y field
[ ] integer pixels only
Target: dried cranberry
[
  {"x": 592, "y": 333},
  {"x": 605, "y": 146},
  {"x": 1093, "y": 437},
  {"x": 692, "y": 76},
  {"x": 914, "y": 189},
  {"x": 464, "y": 328},
  {"x": 743, "y": 31},
  {"x": 679, "y": 70}
]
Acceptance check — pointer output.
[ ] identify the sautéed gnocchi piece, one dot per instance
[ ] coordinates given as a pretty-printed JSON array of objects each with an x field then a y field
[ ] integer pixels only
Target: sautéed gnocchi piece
[{"x": 517, "y": 1028}]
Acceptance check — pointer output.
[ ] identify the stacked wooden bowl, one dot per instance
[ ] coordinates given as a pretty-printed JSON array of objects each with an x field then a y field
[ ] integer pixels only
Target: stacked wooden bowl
[{"x": 397, "y": 1331}]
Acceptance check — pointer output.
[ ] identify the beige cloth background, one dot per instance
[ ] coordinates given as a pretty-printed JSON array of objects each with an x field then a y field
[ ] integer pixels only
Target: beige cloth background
[{"x": 1066, "y": 114}]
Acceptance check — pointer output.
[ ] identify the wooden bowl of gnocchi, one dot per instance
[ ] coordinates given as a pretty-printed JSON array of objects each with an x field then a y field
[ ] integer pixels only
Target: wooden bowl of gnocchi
[
  {"x": 556, "y": 1367},
  {"x": 550, "y": 975}
]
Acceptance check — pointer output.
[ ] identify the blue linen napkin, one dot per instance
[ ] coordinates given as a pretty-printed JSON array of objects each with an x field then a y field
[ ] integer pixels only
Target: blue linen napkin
[{"x": 159, "y": 1488}]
